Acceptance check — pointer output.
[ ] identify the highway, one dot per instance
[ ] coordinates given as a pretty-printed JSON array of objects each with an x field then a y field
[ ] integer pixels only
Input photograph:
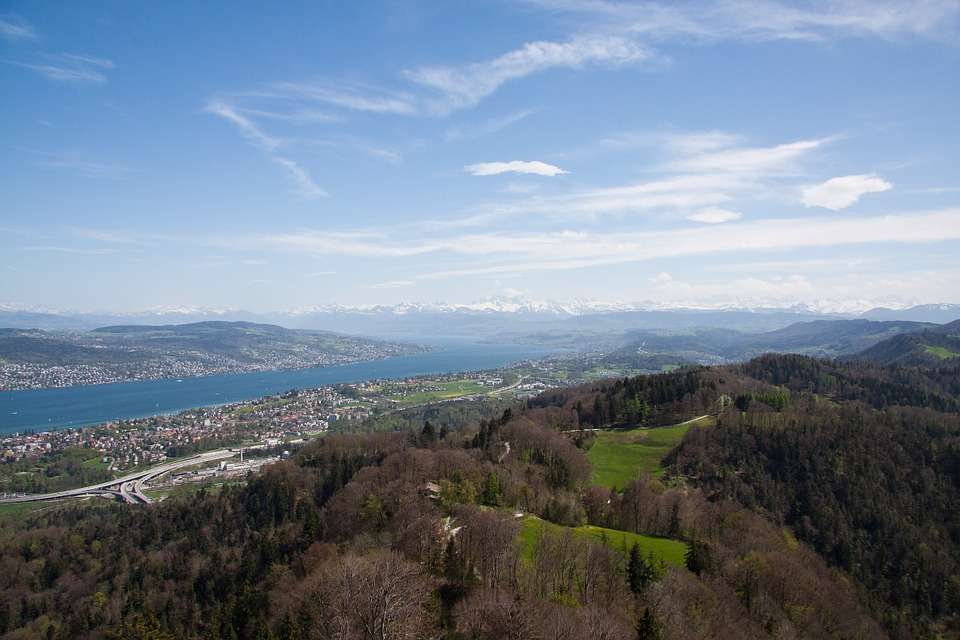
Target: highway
[{"x": 128, "y": 488}]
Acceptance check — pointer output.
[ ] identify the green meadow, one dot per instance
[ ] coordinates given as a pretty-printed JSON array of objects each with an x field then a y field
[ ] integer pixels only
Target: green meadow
[
  {"x": 670, "y": 551},
  {"x": 620, "y": 456},
  {"x": 447, "y": 391},
  {"x": 941, "y": 352}
]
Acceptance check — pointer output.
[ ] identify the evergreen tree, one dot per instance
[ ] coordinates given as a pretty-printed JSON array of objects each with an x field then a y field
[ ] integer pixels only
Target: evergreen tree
[
  {"x": 428, "y": 434},
  {"x": 697, "y": 557},
  {"x": 490, "y": 495},
  {"x": 648, "y": 628}
]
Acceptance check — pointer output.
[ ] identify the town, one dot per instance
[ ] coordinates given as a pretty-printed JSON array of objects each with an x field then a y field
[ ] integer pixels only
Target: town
[{"x": 273, "y": 423}]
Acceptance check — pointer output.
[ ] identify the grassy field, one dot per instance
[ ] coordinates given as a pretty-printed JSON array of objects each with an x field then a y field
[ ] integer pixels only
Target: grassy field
[
  {"x": 941, "y": 352},
  {"x": 183, "y": 490},
  {"x": 447, "y": 391},
  {"x": 17, "y": 510},
  {"x": 670, "y": 551},
  {"x": 618, "y": 457}
]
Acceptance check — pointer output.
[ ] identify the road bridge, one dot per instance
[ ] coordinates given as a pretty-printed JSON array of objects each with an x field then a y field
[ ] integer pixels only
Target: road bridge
[{"x": 128, "y": 488}]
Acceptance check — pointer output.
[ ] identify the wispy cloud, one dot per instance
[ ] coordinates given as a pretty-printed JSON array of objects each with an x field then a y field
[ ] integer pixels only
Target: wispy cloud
[
  {"x": 840, "y": 193},
  {"x": 620, "y": 246},
  {"x": 714, "y": 215},
  {"x": 464, "y": 86},
  {"x": 68, "y": 67},
  {"x": 352, "y": 98},
  {"x": 71, "y": 250},
  {"x": 387, "y": 155},
  {"x": 681, "y": 193},
  {"x": 488, "y": 127},
  {"x": 247, "y": 128},
  {"x": 534, "y": 167},
  {"x": 16, "y": 30},
  {"x": 306, "y": 187},
  {"x": 747, "y": 160},
  {"x": 74, "y": 162},
  {"x": 754, "y": 20},
  {"x": 296, "y": 116},
  {"x": 393, "y": 284},
  {"x": 582, "y": 250}
]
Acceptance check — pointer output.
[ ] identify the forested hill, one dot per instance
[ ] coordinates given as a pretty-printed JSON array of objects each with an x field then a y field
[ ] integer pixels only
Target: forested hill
[
  {"x": 862, "y": 462},
  {"x": 931, "y": 347},
  {"x": 805, "y": 508}
]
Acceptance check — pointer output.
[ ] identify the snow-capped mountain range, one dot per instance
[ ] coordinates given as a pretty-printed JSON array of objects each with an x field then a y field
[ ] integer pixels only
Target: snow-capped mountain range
[{"x": 499, "y": 318}]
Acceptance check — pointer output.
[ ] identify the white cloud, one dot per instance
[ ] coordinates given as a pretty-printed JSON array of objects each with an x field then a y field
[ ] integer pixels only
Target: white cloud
[
  {"x": 580, "y": 250},
  {"x": 355, "y": 99},
  {"x": 18, "y": 30},
  {"x": 678, "y": 193},
  {"x": 68, "y": 67},
  {"x": 755, "y": 160},
  {"x": 661, "y": 278},
  {"x": 393, "y": 284},
  {"x": 393, "y": 157},
  {"x": 753, "y": 20},
  {"x": 298, "y": 116},
  {"x": 305, "y": 185},
  {"x": 83, "y": 166},
  {"x": 715, "y": 215},
  {"x": 840, "y": 193},
  {"x": 514, "y": 166},
  {"x": 247, "y": 128},
  {"x": 487, "y": 127},
  {"x": 693, "y": 143},
  {"x": 463, "y": 87}
]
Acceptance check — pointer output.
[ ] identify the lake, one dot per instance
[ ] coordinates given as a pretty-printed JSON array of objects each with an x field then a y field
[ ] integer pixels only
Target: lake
[{"x": 49, "y": 409}]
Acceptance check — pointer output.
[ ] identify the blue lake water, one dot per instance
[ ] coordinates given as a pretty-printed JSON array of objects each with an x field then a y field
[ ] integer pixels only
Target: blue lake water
[{"x": 48, "y": 409}]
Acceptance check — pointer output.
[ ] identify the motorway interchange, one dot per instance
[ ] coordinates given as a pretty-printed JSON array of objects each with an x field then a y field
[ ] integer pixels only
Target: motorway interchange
[{"x": 128, "y": 488}]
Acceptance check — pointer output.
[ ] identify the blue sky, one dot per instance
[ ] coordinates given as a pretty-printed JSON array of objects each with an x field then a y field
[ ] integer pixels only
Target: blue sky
[{"x": 265, "y": 156}]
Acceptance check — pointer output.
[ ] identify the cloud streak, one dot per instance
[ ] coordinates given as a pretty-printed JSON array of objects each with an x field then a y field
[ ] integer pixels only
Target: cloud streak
[
  {"x": 16, "y": 30},
  {"x": 461, "y": 87},
  {"x": 581, "y": 250},
  {"x": 840, "y": 193},
  {"x": 714, "y": 215},
  {"x": 761, "y": 20},
  {"x": 306, "y": 187},
  {"x": 365, "y": 99},
  {"x": 69, "y": 67},
  {"x": 534, "y": 167}
]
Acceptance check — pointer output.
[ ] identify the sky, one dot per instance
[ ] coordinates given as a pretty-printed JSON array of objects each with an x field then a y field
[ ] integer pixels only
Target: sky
[{"x": 275, "y": 156}]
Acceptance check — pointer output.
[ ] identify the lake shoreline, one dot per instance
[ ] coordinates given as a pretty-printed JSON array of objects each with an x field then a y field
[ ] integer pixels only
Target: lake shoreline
[{"x": 40, "y": 410}]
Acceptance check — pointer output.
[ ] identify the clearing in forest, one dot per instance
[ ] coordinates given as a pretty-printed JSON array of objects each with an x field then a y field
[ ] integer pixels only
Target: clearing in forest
[
  {"x": 671, "y": 552},
  {"x": 619, "y": 456}
]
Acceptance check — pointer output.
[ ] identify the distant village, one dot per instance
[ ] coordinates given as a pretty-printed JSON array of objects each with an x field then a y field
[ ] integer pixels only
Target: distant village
[{"x": 29, "y": 375}]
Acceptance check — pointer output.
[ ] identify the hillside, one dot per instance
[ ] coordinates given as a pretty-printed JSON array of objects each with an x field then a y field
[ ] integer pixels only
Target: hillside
[
  {"x": 931, "y": 347},
  {"x": 35, "y": 358},
  {"x": 820, "y": 338},
  {"x": 936, "y": 313}
]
